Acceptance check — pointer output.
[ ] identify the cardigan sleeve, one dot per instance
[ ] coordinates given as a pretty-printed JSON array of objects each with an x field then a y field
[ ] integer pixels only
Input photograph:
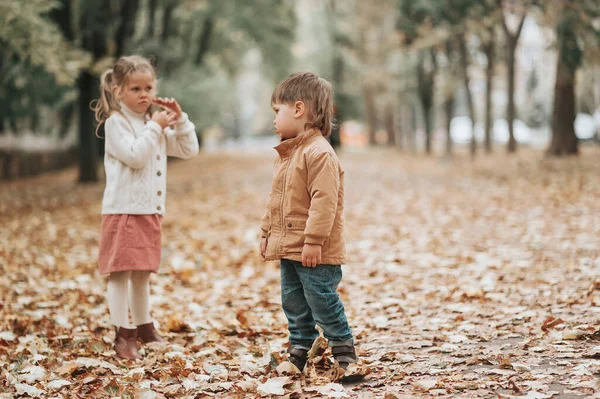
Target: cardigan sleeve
[{"x": 182, "y": 142}]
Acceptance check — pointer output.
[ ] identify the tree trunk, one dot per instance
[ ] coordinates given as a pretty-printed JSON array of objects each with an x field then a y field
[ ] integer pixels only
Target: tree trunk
[
  {"x": 428, "y": 119},
  {"x": 389, "y": 124},
  {"x": 88, "y": 153},
  {"x": 510, "y": 108},
  {"x": 62, "y": 17},
  {"x": 3, "y": 99},
  {"x": 489, "y": 53},
  {"x": 94, "y": 40},
  {"x": 402, "y": 127},
  {"x": 338, "y": 77},
  {"x": 449, "y": 112},
  {"x": 126, "y": 26},
  {"x": 151, "y": 18},
  {"x": 334, "y": 137},
  {"x": 371, "y": 109},
  {"x": 564, "y": 141},
  {"x": 34, "y": 119},
  {"x": 511, "y": 47},
  {"x": 204, "y": 40},
  {"x": 413, "y": 128},
  {"x": 65, "y": 118},
  {"x": 464, "y": 63},
  {"x": 167, "y": 14},
  {"x": 426, "y": 77}
]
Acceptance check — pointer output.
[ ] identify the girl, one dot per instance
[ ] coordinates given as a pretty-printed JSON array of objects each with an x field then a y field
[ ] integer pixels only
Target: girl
[{"x": 138, "y": 141}]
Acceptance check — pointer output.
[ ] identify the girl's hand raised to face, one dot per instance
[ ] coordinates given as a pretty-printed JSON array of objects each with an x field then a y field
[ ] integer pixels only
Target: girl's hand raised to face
[
  {"x": 169, "y": 104},
  {"x": 164, "y": 118}
]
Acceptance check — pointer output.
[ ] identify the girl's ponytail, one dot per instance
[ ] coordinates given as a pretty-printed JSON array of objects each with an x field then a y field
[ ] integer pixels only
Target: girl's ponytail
[{"x": 107, "y": 103}]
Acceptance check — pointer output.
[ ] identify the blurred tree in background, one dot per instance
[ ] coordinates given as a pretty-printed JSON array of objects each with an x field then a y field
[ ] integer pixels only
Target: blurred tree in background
[
  {"x": 58, "y": 49},
  {"x": 408, "y": 69},
  {"x": 577, "y": 25}
]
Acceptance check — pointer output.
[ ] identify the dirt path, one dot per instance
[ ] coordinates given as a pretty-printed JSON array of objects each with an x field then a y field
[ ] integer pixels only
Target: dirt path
[{"x": 455, "y": 269}]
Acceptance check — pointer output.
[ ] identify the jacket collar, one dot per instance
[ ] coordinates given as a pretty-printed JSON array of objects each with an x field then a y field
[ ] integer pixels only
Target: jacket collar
[
  {"x": 132, "y": 115},
  {"x": 285, "y": 147}
]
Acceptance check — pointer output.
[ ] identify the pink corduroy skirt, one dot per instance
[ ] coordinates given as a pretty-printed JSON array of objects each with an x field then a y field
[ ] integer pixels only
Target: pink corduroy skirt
[{"x": 130, "y": 242}]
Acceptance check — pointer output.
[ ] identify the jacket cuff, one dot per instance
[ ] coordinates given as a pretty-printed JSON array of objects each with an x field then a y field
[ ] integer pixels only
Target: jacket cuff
[
  {"x": 314, "y": 240},
  {"x": 263, "y": 233}
]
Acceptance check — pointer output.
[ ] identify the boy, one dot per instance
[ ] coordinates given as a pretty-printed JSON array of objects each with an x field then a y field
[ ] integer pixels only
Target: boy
[{"x": 303, "y": 226}]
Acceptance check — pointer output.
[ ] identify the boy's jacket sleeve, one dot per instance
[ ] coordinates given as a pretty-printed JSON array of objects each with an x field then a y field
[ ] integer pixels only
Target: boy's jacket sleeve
[
  {"x": 323, "y": 187},
  {"x": 265, "y": 222}
]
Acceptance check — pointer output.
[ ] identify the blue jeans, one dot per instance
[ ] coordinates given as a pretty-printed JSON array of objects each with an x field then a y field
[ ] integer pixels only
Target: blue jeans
[{"x": 309, "y": 297}]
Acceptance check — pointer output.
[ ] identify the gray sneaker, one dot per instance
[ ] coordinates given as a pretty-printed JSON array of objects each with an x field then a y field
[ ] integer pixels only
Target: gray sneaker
[
  {"x": 344, "y": 353},
  {"x": 297, "y": 357}
]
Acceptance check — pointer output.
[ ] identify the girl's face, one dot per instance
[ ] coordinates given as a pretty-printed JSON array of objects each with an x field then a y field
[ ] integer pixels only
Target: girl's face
[
  {"x": 286, "y": 121},
  {"x": 138, "y": 92}
]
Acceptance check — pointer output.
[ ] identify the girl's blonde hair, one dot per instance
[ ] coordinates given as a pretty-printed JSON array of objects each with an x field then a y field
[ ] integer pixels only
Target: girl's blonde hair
[
  {"x": 315, "y": 92},
  {"x": 117, "y": 76}
]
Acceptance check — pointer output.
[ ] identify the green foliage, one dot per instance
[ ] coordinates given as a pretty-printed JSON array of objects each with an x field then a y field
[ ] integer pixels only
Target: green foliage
[
  {"x": 202, "y": 95},
  {"x": 349, "y": 106},
  {"x": 238, "y": 26},
  {"x": 578, "y": 32},
  {"x": 427, "y": 23},
  {"x": 205, "y": 85},
  {"x": 26, "y": 33},
  {"x": 26, "y": 87}
]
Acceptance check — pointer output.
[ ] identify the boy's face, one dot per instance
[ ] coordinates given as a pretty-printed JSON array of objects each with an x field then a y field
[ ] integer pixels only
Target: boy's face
[{"x": 289, "y": 121}]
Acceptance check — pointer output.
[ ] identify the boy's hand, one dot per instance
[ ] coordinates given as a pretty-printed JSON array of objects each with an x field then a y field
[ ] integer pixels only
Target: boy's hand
[
  {"x": 171, "y": 105},
  {"x": 311, "y": 255},
  {"x": 263, "y": 248}
]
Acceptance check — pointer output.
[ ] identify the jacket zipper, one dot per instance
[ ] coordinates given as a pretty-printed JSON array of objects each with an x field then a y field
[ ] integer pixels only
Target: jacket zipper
[{"x": 281, "y": 205}]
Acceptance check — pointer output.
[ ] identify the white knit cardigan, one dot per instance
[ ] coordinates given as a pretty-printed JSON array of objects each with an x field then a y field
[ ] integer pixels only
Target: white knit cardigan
[{"x": 135, "y": 161}]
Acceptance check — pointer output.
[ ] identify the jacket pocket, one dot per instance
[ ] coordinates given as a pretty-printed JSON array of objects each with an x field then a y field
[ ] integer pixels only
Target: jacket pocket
[
  {"x": 294, "y": 234},
  {"x": 140, "y": 231}
]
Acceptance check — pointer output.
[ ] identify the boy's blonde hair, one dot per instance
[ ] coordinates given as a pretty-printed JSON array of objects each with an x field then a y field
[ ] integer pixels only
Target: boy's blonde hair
[
  {"x": 315, "y": 92},
  {"x": 117, "y": 76}
]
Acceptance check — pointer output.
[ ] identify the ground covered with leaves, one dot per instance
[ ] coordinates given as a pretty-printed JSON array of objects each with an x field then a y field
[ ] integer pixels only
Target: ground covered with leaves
[{"x": 471, "y": 279}]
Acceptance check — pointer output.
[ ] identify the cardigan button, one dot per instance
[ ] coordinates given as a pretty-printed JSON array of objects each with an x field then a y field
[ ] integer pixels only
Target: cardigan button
[
  {"x": 158, "y": 173},
  {"x": 158, "y": 208},
  {"x": 158, "y": 157},
  {"x": 289, "y": 225},
  {"x": 159, "y": 193}
]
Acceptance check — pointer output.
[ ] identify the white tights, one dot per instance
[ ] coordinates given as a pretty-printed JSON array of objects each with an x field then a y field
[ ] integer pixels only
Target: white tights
[{"x": 129, "y": 290}]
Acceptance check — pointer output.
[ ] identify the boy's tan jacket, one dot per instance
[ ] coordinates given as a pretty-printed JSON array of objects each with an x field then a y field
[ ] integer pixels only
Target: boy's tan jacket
[{"x": 306, "y": 203}]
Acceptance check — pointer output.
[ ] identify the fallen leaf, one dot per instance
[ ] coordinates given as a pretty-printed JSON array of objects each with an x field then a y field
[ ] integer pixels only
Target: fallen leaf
[
  {"x": 57, "y": 384},
  {"x": 274, "y": 386},
  {"x": 330, "y": 390},
  {"x": 424, "y": 385},
  {"x": 287, "y": 368},
  {"x": 550, "y": 323},
  {"x": 25, "y": 389}
]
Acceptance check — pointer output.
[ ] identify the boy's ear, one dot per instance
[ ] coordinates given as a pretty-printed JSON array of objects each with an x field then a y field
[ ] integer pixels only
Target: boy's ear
[
  {"x": 299, "y": 109},
  {"x": 117, "y": 91}
]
